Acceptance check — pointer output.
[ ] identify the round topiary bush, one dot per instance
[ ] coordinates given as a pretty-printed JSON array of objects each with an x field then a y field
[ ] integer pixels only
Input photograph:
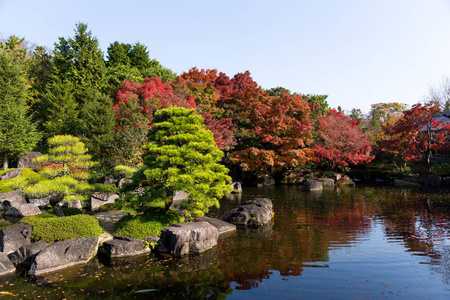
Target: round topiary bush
[
  {"x": 142, "y": 226},
  {"x": 51, "y": 229}
]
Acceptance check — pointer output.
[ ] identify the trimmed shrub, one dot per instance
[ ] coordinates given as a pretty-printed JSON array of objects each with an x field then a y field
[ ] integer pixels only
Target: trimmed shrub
[
  {"x": 51, "y": 229},
  {"x": 108, "y": 207},
  {"x": 142, "y": 226},
  {"x": 28, "y": 177},
  {"x": 71, "y": 211},
  {"x": 124, "y": 171}
]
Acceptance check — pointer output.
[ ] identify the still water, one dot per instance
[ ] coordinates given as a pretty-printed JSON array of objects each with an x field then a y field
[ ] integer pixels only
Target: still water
[{"x": 362, "y": 243}]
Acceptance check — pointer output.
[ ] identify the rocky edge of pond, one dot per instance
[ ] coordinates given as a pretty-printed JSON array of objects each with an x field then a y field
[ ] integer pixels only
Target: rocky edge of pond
[{"x": 198, "y": 236}]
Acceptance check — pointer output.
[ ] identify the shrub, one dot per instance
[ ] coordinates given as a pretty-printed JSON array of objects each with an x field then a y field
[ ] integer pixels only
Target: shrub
[
  {"x": 28, "y": 177},
  {"x": 51, "y": 229},
  {"x": 105, "y": 188},
  {"x": 142, "y": 226},
  {"x": 124, "y": 171},
  {"x": 108, "y": 207},
  {"x": 71, "y": 211}
]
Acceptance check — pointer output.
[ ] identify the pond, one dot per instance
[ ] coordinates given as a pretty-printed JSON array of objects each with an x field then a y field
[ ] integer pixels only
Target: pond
[{"x": 362, "y": 243}]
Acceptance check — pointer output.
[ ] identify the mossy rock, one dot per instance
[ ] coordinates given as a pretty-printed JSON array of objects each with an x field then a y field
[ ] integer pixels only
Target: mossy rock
[{"x": 145, "y": 225}]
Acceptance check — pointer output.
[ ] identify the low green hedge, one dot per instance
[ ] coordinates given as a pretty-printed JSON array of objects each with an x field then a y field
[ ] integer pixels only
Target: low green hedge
[
  {"x": 51, "y": 229},
  {"x": 28, "y": 177},
  {"x": 142, "y": 226}
]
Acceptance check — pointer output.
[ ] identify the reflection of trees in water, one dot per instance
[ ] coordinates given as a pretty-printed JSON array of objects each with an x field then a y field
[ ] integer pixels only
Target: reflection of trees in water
[{"x": 305, "y": 226}]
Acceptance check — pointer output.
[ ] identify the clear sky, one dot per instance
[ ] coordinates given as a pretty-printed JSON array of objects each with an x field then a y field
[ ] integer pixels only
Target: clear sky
[{"x": 358, "y": 52}]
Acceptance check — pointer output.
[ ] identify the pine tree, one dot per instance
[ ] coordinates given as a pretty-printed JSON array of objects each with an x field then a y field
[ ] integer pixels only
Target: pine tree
[
  {"x": 181, "y": 156},
  {"x": 17, "y": 132}
]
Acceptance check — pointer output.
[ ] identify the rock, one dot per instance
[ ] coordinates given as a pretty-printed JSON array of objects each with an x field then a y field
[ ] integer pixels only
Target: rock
[
  {"x": 344, "y": 181},
  {"x": 75, "y": 203},
  {"x": 312, "y": 185},
  {"x": 432, "y": 180},
  {"x": 254, "y": 212},
  {"x": 26, "y": 160},
  {"x": 64, "y": 254},
  {"x": 152, "y": 239},
  {"x": 405, "y": 184},
  {"x": 98, "y": 199},
  {"x": 326, "y": 182},
  {"x": 236, "y": 188},
  {"x": 24, "y": 210},
  {"x": 25, "y": 254},
  {"x": 121, "y": 246},
  {"x": 15, "y": 236},
  {"x": 222, "y": 226},
  {"x": 41, "y": 203},
  {"x": 11, "y": 174},
  {"x": 180, "y": 196},
  {"x": 123, "y": 181},
  {"x": 267, "y": 180},
  {"x": 6, "y": 266},
  {"x": 179, "y": 239},
  {"x": 108, "y": 180},
  {"x": 14, "y": 198}
]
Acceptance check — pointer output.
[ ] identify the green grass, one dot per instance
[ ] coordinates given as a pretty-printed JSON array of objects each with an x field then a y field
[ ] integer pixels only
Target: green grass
[
  {"x": 144, "y": 225},
  {"x": 51, "y": 229},
  {"x": 28, "y": 177}
]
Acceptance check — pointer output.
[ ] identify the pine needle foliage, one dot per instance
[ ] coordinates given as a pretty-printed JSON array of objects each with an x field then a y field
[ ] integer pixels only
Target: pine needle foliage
[{"x": 181, "y": 156}]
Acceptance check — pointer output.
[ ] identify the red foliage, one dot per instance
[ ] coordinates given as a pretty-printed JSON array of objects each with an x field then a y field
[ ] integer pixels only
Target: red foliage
[
  {"x": 341, "y": 140},
  {"x": 417, "y": 134},
  {"x": 194, "y": 75},
  {"x": 223, "y": 130}
]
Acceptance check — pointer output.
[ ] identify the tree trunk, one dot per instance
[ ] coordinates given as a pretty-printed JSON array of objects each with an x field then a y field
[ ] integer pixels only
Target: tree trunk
[
  {"x": 167, "y": 206},
  {"x": 5, "y": 162}
]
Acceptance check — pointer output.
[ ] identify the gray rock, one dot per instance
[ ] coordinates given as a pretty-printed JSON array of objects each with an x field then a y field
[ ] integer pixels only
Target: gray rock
[
  {"x": 26, "y": 160},
  {"x": 6, "y": 266},
  {"x": 123, "y": 181},
  {"x": 108, "y": 180},
  {"x": 222, "y": 226},
  {"x": 24, "y": 210},
  {"x": 75, "y": 203},
  {"x": 14, "y": 198},
  {"x": 326, "y": 182},
  {"x": 180, "y": 196},
  {"x": 432, "y": 180},
  {"x": 121, "y": 246},
  {"x": 152, "y": 239},
  {"x": 98, "y": 199},
  {"x": 182, "y": 238},
  {"x": 236, "y": 188},
  {"x": 64, "y": 254},
  {"x": 15, "y": 236},
  {"x": 41, "y": 203},
  {"x": 254, "y": 212},
  {"x": 11, "y": 174},
  {"x": 24, "y": 255},
  {"x": 312, "y": 185}
]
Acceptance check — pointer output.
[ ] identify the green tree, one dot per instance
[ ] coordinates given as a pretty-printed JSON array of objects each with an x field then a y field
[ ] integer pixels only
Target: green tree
[
  {"x": 67, "y": 167},
  {"x": 18, "y": 134},
  {"x": 97, "y": 123},
  {"x": 79, "y": 60},
  {"x": 181, "y": 156}
]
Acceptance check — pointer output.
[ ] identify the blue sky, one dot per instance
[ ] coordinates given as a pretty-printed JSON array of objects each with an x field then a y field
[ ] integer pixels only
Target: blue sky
[{"x": 359, "y": 52}]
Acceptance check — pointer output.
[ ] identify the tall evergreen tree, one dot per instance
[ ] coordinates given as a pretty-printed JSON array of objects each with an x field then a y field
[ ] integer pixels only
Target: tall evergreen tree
[
  {"x": 17, "y": 132},
  {"x": 79, "y": 60}
]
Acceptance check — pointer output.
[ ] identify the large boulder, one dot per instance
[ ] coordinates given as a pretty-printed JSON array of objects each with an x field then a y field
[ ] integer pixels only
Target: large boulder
[
  {"x": 254, "y": 212},
  {"x": 6, "y": 266},
  {"x": 64, "y": 254},
  {"x": 15, "y": 236},
  {"x": 24, "y": 210},
  {"x": 13, "y": 198},
  {"x": 24, "y": 255},
  {"x": 236, "y": 188},
  {"x": 11, "y": 174},
  {"x": 182, "y": 238},
  {"x": 222, "y": 226},
  {"x": 122, "y": 182},
  {"x": 345, "y": 181},
  {"x": 326, "y": 182},
  {"x": 75, "y": 203},
  {"x": 312, "y": 185},
  {"x": 121, "y": 246},
  {"x": 26, "y": 160},
  {"x": 98, "y": 199}
]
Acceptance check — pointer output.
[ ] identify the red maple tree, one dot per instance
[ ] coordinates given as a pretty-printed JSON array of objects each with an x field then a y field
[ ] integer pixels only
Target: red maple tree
[{"x": 341, "y": 141}]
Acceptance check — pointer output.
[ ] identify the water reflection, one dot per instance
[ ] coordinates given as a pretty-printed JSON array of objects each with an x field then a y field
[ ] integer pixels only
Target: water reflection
[{"x": 348, "y": 243}]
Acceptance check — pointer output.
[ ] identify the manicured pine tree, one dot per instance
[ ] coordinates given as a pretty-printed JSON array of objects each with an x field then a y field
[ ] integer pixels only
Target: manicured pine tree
[{"x": 181, "y": 156}]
